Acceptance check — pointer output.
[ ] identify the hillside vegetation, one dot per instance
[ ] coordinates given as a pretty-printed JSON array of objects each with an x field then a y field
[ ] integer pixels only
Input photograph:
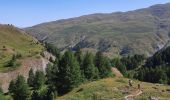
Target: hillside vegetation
[
  {"x": 78, "y": 76},
  {"x": 142, "y": 31},
  {"x": 15, "y": 45},
  {"x": 69, "y": 73},
  {"x": 117, "y": 89},
  {"x": 62, "y": 75},
  {"x": 156, "y": 69}
]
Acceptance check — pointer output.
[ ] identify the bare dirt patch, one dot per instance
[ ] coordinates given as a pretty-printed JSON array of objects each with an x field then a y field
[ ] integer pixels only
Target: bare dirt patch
[
  {"x": 27, "y": 64},
  {"x": 116, "y": 72}
]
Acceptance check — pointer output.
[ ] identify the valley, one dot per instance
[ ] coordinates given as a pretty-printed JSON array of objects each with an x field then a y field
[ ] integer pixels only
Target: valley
[{"x": 100, "y": 56}]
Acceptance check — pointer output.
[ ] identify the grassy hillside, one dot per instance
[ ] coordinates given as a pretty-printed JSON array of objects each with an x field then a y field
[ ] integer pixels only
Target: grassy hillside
[
  {"x": 140, "y": 31},
  {"x": 15, "y": 41},
  {"x": 117, "y": 89}
]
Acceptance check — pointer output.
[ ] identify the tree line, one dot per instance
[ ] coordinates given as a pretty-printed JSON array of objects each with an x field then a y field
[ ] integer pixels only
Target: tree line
[
  {"x": 128, "y": 63},
  {"x": 69, "y": 70},
  {"x": 62, "y": 75},
  {"x": 156, "y": 68}
]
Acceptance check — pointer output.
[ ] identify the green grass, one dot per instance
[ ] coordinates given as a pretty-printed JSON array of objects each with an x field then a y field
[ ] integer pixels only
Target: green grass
[
  {"x": 121, "y": 80},
  {"x": 95, "y": 91},
  {"x": 115, "y": 89},
  {"x": 14, "y": 41}
]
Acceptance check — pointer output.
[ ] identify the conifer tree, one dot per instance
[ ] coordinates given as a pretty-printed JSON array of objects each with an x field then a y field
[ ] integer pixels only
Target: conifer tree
[
  {"x": 31, "y": 77},
  {"x": 39, "y": 80},
  {"x": 69, "y": 73},
  {"x": 79, "y": 56},
  {"x": 21, "y": 90},
  {"x": 11, "y": 86},
  {"x": 90, "y": 71},
  {"x": 103, "y": 65},
  {"x": 52, "y": 49},
  {"x": 35, "y": 95},
  {"x": 52, "y": 76}
]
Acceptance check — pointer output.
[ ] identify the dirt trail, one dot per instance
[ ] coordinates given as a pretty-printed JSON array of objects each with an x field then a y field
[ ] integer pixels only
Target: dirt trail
[{"x": 130, "y": 96}]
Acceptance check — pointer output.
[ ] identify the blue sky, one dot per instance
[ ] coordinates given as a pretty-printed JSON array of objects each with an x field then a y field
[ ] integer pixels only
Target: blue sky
[{"x": 24, "y": 13}]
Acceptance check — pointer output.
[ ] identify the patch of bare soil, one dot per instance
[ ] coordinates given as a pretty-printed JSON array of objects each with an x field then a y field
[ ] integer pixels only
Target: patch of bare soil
[
  {"x": 131, "y": 96},
  {"x": 116, "y": 72},
  {"x": 27, "y": 64}
]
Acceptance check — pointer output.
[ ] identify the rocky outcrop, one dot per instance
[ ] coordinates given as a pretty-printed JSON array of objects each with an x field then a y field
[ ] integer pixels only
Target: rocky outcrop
[{"x": 27, "y": 64}]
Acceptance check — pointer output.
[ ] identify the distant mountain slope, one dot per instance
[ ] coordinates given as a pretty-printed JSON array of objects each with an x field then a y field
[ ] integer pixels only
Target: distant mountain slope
[{"x": 140, "y": 31}]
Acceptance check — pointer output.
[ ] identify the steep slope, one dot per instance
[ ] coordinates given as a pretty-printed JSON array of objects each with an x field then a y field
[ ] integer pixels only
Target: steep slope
[
  {"x": 140, "y": 31},
  {"x": 14, "y": 41},
  {"x": 156, "y": 69},
  {"x": 118, "y": 89}
]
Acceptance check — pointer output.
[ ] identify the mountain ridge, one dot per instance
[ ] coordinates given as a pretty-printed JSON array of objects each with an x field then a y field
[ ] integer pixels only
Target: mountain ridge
[{"x": 117, "y": 33}]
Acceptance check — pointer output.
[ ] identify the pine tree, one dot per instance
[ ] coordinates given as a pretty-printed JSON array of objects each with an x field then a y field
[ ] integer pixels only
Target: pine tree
[
  {"x": 11, "y": 86},
  {"x": 69, "y": 73},
  {"x": 103, "y": 65},
  {"x": 43, "y": 94},
  {"x": 21, "y": 90},
  {"x": 52, "y": 76},
  {"x": 31, "y": 77},
  {"x": 52, "y": 49},
  {"x": 90, "y": 71},
  {"x": 79, "y": 56},
  {"x": 39, "y": 80},
  {"x": 35, "y": 95},
  {"x": 49, "y": 73}
]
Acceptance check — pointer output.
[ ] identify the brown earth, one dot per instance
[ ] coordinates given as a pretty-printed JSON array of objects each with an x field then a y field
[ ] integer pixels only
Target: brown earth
[
  {"x": 27, "y": 64},
  {"x": 116, "y": 72}
]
